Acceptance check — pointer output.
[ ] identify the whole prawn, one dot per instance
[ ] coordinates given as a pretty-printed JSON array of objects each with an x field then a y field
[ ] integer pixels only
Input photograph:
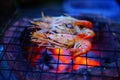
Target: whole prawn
[
  {"x": 73, "y": 43},
  {"x": 63, "y": 25}
]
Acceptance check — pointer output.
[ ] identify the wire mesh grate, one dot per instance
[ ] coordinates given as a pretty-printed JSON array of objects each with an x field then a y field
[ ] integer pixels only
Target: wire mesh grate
[{"x": 16, "y": 66}]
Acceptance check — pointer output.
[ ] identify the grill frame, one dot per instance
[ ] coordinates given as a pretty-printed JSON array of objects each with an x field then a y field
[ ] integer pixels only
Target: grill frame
[{"x": 86, "y": 75}]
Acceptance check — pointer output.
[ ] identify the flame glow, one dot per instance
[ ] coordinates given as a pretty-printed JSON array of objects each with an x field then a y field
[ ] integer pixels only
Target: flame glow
[
  {"x": 32, "y": 58},
  {"x": 84, "y": 61},
  {"x": 78, "y": 61},
  {"x": 63, "y": 58},
  {"x": 60, "y": 53}
]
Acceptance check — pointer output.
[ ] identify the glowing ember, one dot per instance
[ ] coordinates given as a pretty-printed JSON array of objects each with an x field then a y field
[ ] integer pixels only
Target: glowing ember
[
  {"x": 63, "y": 58},
  {"x": 84, "y": 61},
  {"x": 34, "y": 57},
  {"x": 77, "y": 61},
  {"x": 63, "y": 55}
]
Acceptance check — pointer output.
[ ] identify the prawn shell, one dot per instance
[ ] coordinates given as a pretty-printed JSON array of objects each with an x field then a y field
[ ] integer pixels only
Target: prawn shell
[
  {"x": 83, "y": 23},
  {"x": 83, "y": 47},
  {"x": 86, "y": 34}
]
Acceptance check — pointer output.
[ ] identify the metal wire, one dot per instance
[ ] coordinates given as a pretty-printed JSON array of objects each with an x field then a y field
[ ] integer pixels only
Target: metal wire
[{"x": 104, "y": 47}]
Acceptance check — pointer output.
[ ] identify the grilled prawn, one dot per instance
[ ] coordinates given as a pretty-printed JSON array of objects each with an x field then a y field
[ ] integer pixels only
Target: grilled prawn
[
  {"x": 62, "y": 25},
  {"x": 61, "y": 20},
  {"x": 73, "y": 43}
]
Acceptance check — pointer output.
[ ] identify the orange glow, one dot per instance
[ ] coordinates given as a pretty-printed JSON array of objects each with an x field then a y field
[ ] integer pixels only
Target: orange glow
[
  {"x": 60, "y": 53},
  {"x": 84, "y": 61},
  {"x": 35, "y": 55},
  {"x": 60, "y": 68},
  {"x": 62, "y": 59},
  {"x": 78, "y": 61},
  {"x": 33, "y": 59}
]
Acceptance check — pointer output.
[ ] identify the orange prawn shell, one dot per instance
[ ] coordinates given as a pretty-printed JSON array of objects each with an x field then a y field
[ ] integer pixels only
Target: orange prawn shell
[
  {"x": 86, "y": 45},
  {"x": 83, "y": 23},
  {"x": 88, "y": 35}
]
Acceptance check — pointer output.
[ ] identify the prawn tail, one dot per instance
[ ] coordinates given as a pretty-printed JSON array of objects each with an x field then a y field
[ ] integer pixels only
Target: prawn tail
[{"x": 80, "y": 48}]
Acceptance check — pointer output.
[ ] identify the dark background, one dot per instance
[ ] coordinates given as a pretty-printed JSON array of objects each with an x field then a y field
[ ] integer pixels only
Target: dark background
[{"x": 29, "y": 7}]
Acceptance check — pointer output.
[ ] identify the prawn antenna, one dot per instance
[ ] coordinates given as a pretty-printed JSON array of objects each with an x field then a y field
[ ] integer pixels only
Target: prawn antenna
[
  {"x": 65, "y": 14},
  {"x": 42, "y": 13}
]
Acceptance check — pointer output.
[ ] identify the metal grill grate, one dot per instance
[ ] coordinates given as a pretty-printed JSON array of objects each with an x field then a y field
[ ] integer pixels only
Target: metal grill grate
[{"x": 105, "y": 49}]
